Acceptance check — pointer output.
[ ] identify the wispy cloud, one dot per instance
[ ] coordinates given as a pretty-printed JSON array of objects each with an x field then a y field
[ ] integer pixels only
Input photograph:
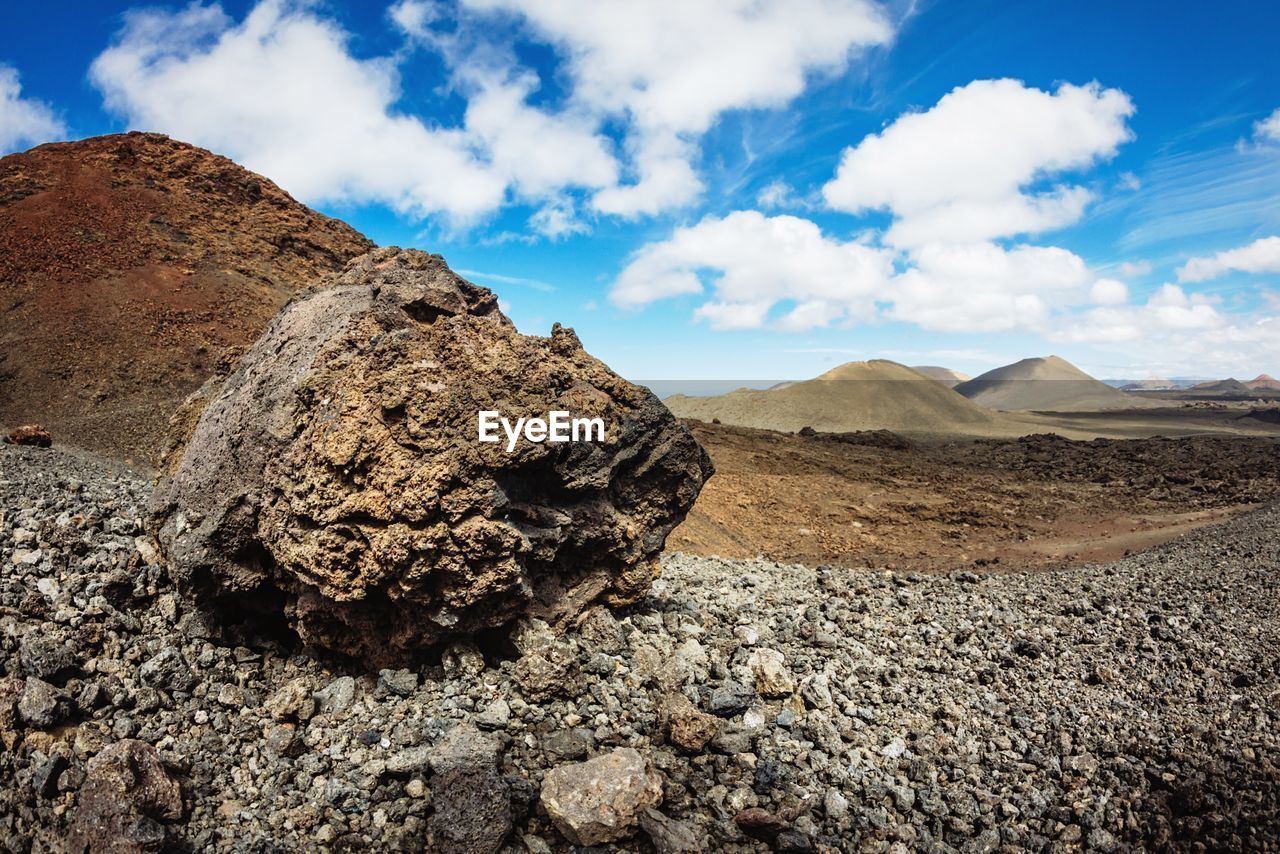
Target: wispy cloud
[{"x": 536, "y": 284}]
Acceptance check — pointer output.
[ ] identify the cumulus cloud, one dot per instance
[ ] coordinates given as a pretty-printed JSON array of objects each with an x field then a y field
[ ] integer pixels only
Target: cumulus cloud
[
  {"x": 1109, "y": 292},
  {"x": 1261, "y": 256},
  {"x": 1268, "y": 128},
  {"x": 266, "y": 90},
  {"x": 776, "y": 194},
  {"x": 750, "y": 263},
  {"x": 669, "y": 68},
  {"x": 961, "y": 171},
  {"x": 281, "y": 93},
  {"x": 23, "y": 121},
  {"x": 982, "y": 287}
]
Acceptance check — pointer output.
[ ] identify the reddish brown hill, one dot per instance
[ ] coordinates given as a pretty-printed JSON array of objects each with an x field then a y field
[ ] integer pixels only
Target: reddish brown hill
[{"x": 128, "y": 265}]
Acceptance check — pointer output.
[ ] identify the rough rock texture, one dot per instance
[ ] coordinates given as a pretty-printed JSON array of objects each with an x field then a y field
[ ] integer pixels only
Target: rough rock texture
[
  {"x": 339, "y": 465},
  {"x": 125, "y": 796},
  {"x": 602, "y": 799},
  {"x": 1125, "y": 706},
  {"x": 29, "y": 434},
  {"x": 128, "y": 264}
]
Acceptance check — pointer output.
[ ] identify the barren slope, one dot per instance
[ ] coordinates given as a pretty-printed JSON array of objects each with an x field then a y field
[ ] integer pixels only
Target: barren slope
[
  {"x": 128, "y": 263},
  {"x": 872, "y": 395},
  {"x": 946, "y": 376},
  {"x": 1047, "y": 383}
]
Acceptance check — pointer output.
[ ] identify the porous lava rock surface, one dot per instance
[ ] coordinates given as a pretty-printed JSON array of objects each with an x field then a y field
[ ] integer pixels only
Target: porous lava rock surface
[{"x": 336, "y": 475}]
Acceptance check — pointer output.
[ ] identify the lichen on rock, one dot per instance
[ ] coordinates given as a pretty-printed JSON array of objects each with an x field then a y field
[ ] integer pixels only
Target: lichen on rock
[{"x": 337, "y": 472}]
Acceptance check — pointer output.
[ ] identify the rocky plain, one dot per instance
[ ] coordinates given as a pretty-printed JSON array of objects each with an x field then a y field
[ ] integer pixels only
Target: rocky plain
[
  {"x": 739, "y": 705},
  {"x": 320, "y": 615}
]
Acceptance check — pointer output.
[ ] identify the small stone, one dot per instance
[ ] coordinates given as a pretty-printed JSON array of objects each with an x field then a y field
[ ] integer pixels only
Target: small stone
[
  {"x": 759, "y": 823},
  {"x": 45, "y": 657},
  {"x": 835, "y": 805},
  {"x": 292, "y": 702},
  {"x": 415, "y": 788},
  {"x": 894, "y": 749},
  {"x": 731, "y": 698},
  {"x": 471, "y": 811},
  {"x": 38, "y": 704},
  {"x": 496, "y": 715},
  {"x": 546, "y": 674},
  {"x": 167, "y": 670},
  {"x": 464, "y": 746},
  {"x": 232, "y": 696},
  {"x": 601, "y": 800},
  {"x": 462, "y": 660},
  {"x": 687, "y": 727},
  {"x": 401, "y": 682},
  {"x": 336, "y": 697},
  {"x": 668, "y": 835},
  {"x": 771, "y": 675},
  {"x": 409, "y": 761},
  {"x": 1083, "y": 764},
  {"x": 126, "y": 795}
]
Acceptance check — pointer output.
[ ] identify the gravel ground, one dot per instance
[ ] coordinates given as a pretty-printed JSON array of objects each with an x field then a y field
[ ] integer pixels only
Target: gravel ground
[{"x": 1130, "y": 705}]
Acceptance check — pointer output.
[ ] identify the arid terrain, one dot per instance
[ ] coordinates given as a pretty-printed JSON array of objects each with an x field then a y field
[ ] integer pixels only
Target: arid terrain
[
  {"x": 131, "y": 265},
  {"x": 881, "y": 499}
]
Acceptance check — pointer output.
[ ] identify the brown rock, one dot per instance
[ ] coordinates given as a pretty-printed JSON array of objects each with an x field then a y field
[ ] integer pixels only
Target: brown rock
[
  {"x": 33, "y": 435},
  {"x": 130, "y": 262},
  {"x": 759, "y": 823},
  {"x": 668, "y": 835},
  {"x": 339, "y": 465},
  {"x": 601, "y": 800},
  {"x": 471, "y": 811},
  {"x": 687, "y": 727},
  {"x": 125, "y": 796}
]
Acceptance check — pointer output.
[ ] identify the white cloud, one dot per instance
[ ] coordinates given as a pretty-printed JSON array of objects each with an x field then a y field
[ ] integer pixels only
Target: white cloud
[
  {"x": 751, "y": 263},
  {"x": 1169, "y": 312},
  {"x": 671, "y": 67},
  {"x": 1261, "y": 256},
  {"x": 23, "y": 121},
  {"x": 281, "y": 93},
  {"x": 413, "y": 17},
  {"x": 960, "y": 171},
  {"x": 536, "y": 152},
  {"x": 1134, "y": 269},
  {"x": 982, "y": 287},
  {"x": 776, "y": 194},
  {"x": 557, "y": 219},
  {"x": 1109, "y": 292},
  {"x": 1268, "y": 128}
]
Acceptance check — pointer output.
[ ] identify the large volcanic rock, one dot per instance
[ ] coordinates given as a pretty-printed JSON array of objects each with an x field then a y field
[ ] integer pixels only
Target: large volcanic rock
[
  {"x": 128, "y": 264},
  {"x": 339, "y": 465}
]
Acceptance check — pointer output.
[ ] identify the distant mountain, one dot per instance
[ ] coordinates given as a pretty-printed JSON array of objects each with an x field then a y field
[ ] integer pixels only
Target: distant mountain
[
  {"x": 1151, "y": 384},
  {"x": 128, "y": 264},
  {"x": 1047, "y": 383},
  {"x": 1230, "y": 385},
  {"x": 1265, "y": 382},
  {"x": 872, "y": 395},
  {"x": 946, "y": 376}
]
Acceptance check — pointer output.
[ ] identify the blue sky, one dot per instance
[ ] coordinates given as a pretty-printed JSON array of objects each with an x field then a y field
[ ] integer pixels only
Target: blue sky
[{"x": 745, "y": 190}]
